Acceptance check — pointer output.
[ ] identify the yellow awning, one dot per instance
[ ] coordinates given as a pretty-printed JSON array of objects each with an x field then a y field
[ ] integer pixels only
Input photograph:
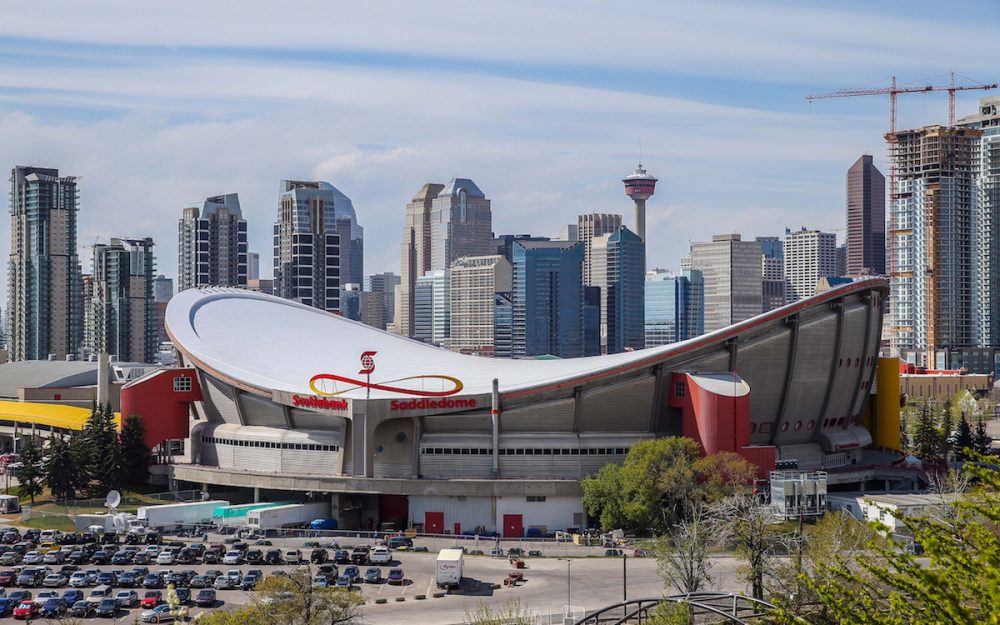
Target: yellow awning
[{"x": 52, "y": 415}]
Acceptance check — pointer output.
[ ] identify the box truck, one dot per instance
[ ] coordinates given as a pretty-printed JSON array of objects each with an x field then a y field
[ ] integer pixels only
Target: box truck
[
  {"x": 287, "y": 515},
  {"x": 448, "y": 570},
  {"x": 173, "y": 514}
]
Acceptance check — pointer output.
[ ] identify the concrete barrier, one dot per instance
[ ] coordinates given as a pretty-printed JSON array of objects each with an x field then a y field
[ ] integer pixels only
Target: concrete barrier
[
  {"x": 381, "y": 600},
  {"x": 398, "y": 599},
  {"x": 420, "y": 597}
]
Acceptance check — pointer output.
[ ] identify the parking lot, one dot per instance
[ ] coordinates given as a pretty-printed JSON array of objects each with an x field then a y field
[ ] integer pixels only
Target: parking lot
[{"x": 548, "y": 583}]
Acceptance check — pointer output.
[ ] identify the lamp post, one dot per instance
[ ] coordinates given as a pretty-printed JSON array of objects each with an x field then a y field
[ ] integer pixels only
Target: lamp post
[
  {"x": 624, "y": 577},
  {"x": 569, "y": 582}
]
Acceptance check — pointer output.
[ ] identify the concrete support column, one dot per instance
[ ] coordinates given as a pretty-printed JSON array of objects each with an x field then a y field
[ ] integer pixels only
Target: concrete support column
[
  {"x": 495, "y": 419},
  {"x": 256, "y": 494}
]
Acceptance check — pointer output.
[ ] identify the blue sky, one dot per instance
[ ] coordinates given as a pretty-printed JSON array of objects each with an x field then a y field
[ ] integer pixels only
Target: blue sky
[{"x": 159, "y": 104}]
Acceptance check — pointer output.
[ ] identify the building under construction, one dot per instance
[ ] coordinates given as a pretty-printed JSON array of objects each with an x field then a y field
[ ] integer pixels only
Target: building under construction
[{"x": 932, "y": 242}]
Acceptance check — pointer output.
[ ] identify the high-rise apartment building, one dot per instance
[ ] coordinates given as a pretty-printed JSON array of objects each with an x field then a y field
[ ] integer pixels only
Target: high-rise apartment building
[
  {"x": 618, "y": 262},
  {"x": 675, "y": 308},
  {"x": 548, "y": 299},
  {"x": 432, "y": 308},
  {"x": 44, "y": 283},
  {"x": 587, "y": 228},
  {"x": 373, "y": 309},
  {"x": 212, "y": 244},
  {"x": 503, "y": 326},
  {"x": 841, "y": 263},
  {"x": 416, "y": 254},
  {"x": 809, "y": 256},
  {"x": 123, "y": 303},
  {"x": 865, "y": 218},
  {"x": 932, "y": 286},
  {"x": 163, "y": 290},
  {"x": 384, "y": 285},
  {"x": 772, "y": 272},
  {"x": 732, "y": 273},
  {"x": 253, "y": 266},
  {"x": 475, "y": 281},
  {"x": 307, "y": 243},
  {"x": 461, "y": 223},
  {"x": 986, "y": 222}
]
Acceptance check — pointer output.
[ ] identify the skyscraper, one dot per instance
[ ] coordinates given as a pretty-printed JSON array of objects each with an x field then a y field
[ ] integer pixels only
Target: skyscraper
[
  {"x": 772, "y": 272},
  {"x": 504, "y": 244},
  {"x": 932, "y": 283},
  {"x": 865, "y": 218},
  {"x": 416, "y": 254},
  {"x": 212, "y": 244},
  {"x": 986, "y": 220},
  {"x": 809, "y": 256},
  {"x": 307, "y": 246},
  {"x": 163, "y": 290},
  {"x": 385, "y": 285},
  {"x": 44, "y": 284},
  {"x": 618, "y": 262},
  {"x": 547, "y": 299},
  {"x": 253, "y": 267},
  {"x": 123, "y": 305},
  {"x": 733, "y": 279},
  {"x": 461, "y": 223},
  {"x": 674, "y": 306},
  {"x": 590, "y": 226},
  {"x": 432, "y": 308},
  {"x": 475, "y": 281}
]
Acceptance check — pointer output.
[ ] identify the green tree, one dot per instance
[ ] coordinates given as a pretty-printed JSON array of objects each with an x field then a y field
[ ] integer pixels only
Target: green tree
[
  {"x": 510, "y": 612},
  {"x": 651, "y": 490},
  {"x": 134, "y": 450},
  {"x": 945, "y": 434},
  {"x": 982, "y": 441},
  {"x": 682, "y": 554},
  {"x": 750, "y": 525},
  {"x": 79, "y": 450},
  {"x": 926, "y": 437},
  {"x": 722, "y": 474},
  {"x": 956, "y": 581},
  {"x": 963, "y": 438},
  {"x": 670, "y": 613},
  {"x": 112, "y": 469},
  {"x": 60, "y": 469},
  {"x": 31, "y": 472}
]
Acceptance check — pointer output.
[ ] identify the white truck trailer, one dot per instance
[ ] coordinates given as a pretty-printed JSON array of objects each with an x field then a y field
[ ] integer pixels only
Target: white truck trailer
[
  {"x": 448, "y": 569},
  {"x": 174, "y": 514},
  {"x": 287, "y": 515}
]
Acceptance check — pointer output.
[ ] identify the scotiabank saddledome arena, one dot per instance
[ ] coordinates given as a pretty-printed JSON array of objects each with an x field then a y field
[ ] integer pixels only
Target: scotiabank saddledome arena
[{"x": 280, "y": 399}]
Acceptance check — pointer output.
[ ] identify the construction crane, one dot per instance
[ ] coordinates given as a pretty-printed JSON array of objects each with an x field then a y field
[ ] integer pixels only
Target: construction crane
[{"x": 892, "y": 91}]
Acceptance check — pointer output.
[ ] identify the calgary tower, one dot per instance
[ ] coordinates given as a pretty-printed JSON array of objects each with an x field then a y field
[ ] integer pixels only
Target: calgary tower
[{"x": 640, "y": 186}]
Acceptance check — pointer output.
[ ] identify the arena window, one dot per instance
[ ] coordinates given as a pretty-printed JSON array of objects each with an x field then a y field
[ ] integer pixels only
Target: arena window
[{"x": 182, "y": 384}]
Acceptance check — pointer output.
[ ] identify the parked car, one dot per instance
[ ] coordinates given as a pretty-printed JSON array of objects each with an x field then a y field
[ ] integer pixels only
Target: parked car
[
  {"x": 6, "y": 607},
  {"x": 319, "y": 556},
  {"x": 233, "y": 557},
  {"x": 320, "y": 581},
  {"x": 159, "y": 614},
  {"x": 198, "y": 581},
  {"x": 33, "y": 557},
  {"x": 373, "y": 575},
  {"x": 255, "y": 556},
  {"x": 292, "y": 556},
  {"x": 83, "y": 609},
  {"x": 344, "y": 582},
  {"x": 127, "y": 598},
  {"x": 151, "y": 599},
  {"x": 54, "y": 580},
  {"x": 380, "y": 555},
  {"x": 54, "y": 607},
  {"x": 353, "y": 572},
  {"x": 128, "y": 579},
  {"x": 341, "y": 556},
  {"x": 396, "y": 576},
  {"x": 183, "y": 595},
  {"x": 26, "y": 610},
  {"x": 273, "y": 556},
  {"x": 399, "y": 542},
  {"x": 223, "y": 582},
  {"x": 360, "y": 555},
  {"x": 72, "y": 596},
  {"x": 7, "y": 578},
  {"x": 153, "y": 580},
  {"x": 205, "y": 598},
  {"x": 107, "y": 608},
  {"x": 18, "y": 596}
]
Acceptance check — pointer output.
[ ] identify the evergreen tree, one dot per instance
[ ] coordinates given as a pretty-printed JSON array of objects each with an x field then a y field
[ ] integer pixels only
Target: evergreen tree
[
  {"x": 963, "y": 438},
  {"x": 60, "y": 469},
  {"x": 982, "y": 441},
  {"x": 134, "y": 450},
  {"x": 112, "y": 469},
  {"x": 31, "y": 471},
  {"x": 925, "y": 439},
  {"x": 904, "y": 433},
  {"x": 79, "y": 449}
]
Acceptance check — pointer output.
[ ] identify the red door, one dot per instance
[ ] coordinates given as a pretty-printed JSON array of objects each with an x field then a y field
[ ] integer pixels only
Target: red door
[
  {"x": 513, "y": 526},
  {"x": 458, "y": 529},
  {"x": 434, "y": 522}
]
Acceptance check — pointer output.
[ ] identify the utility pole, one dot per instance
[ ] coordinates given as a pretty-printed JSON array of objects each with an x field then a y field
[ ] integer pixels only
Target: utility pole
[{"x": 624, "y": 577}]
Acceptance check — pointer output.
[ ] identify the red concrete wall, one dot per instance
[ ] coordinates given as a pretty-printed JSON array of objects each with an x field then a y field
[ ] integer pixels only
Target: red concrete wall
[
  {"x": 163, "y": 410},
  {"x": 717, "y": 422}
]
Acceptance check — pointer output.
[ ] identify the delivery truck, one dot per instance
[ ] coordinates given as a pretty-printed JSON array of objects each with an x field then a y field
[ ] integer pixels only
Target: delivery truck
[
  {"x": 448, "y": 570},
  {"x": 175, "y": 514},
  {"x": 286, "y": 516}
]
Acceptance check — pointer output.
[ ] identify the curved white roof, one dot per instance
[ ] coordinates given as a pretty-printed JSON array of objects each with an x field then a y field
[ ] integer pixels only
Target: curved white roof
[{"x": 264, "y": 343}]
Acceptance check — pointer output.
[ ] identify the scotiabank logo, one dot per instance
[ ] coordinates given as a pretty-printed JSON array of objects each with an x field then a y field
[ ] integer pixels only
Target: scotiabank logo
[
  {"x": 430, "y": 404},
  {"x": 319, "y": 402}
]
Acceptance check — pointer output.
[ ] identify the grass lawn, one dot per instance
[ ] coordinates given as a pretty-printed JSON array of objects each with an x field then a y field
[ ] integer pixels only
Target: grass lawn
[{"x": 61, "y": 523}]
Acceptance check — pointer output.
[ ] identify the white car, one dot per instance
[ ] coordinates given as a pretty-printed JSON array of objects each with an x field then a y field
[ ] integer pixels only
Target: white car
[
  {"x": 78, "y": 580},
  {"x": 224, "y": 582},
  {"x": 236, "y": 575},
  {"x": 153, "y": 551},
  {"x": 44, "y": 596},
  {"x": 380, "y": 555},
  {"x": 233, "y": 557},
  {"x": 320, "y": 581},
  {"x": 293, "y": 556},
  {"x": 165, "y": 557},
  {"x": 54, "y": 580},
  {"x": 127, "y": 598},
  {"x": 159, "y": 614},
  {"x": 33, "y": 557}
]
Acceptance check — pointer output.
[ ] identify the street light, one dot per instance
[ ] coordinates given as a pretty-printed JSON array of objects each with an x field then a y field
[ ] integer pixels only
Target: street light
[
  {"x": 624, "y": 577},
  {"x": 569, "y": 579}
]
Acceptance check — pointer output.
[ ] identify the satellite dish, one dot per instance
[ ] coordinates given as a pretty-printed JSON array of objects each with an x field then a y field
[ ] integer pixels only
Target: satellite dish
[{"x": 113, "y": 499}]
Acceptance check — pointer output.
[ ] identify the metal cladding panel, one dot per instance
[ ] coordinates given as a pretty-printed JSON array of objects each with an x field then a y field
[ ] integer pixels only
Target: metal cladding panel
[
  {"x": 812, "y": 367},
  {"x": 261, "y": 411},
  {"x": 762, "y": 363},
  {"x": 470, "y": 422},
  {"x": 221, "y": 396},
  {"x": 552, "y": 467},
  {"x": 626, "y": 406},
  {"x": 809, "y": 455},
  {"x": 851, "y": 360},
  {"x": 471, "y": 512},
  {"x": 455, "y": 467},
  {"x": 392, "y": 469},
  {"x": 550, "y": 416},
  {"x": 870, "y": 351},
  {"x": 309, "y": 462},
  {"x": 309, "y": 420}
]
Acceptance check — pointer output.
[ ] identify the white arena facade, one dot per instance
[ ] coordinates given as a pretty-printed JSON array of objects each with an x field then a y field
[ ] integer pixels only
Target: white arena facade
[{"x": 285, "y": 401}]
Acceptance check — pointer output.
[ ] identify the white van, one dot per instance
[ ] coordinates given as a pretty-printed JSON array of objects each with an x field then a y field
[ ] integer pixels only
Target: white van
[{"x": 49, "y": 536}]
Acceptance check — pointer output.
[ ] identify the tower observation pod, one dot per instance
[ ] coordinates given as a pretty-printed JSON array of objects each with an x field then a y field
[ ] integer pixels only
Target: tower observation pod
[{"x": 640, "y": 186}]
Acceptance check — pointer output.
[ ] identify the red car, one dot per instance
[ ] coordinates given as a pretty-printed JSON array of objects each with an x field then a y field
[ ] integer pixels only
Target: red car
[
  {"x": 26, "y": 610},
  {"x": 7, "y": 578},
  {"x": 151, "y": 599}
]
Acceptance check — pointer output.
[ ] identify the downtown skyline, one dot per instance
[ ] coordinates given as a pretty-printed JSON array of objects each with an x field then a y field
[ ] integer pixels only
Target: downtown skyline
[{"x": 547, "y": 128}]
